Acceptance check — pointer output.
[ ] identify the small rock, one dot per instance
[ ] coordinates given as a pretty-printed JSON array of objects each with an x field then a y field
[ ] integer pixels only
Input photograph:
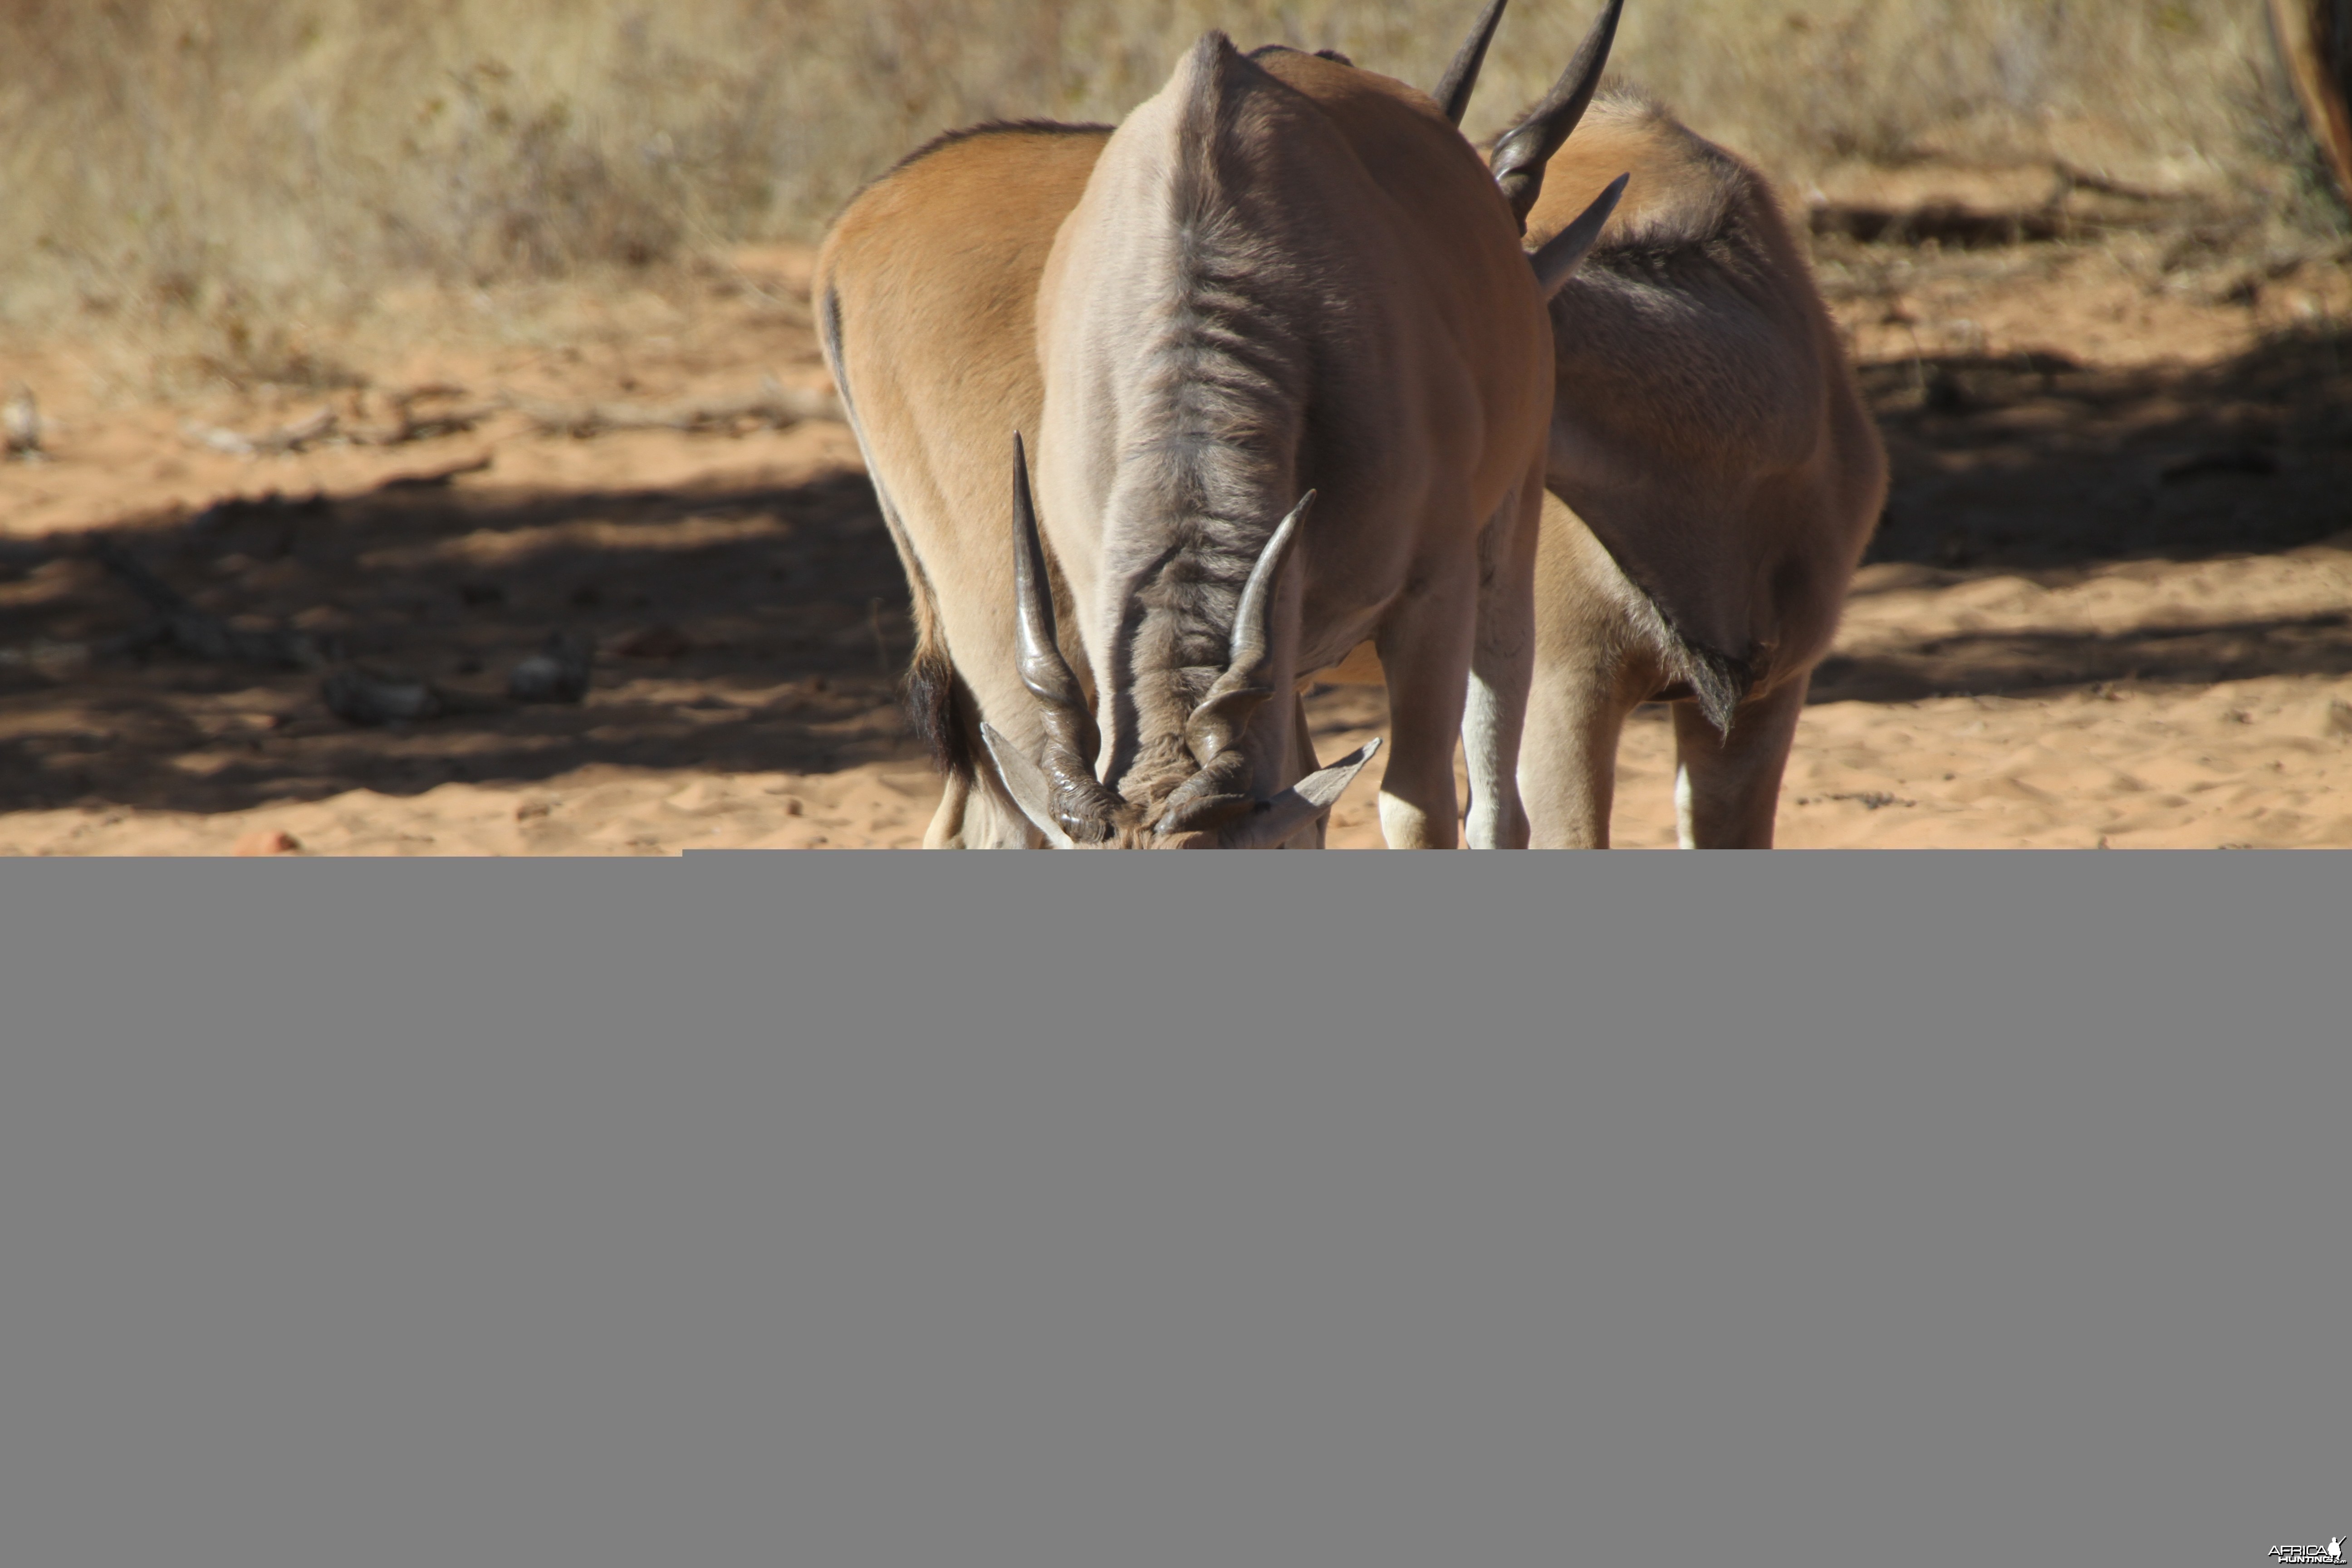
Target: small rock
[
  {"x": 558, "y": 673},
  {"x": 358, "y": 698},
  {"x": 2339, "y": 716},
  {"x": 532, "y": 810},
  {"x": 20, "y": 425},
  {"x": 269, "y": 841}
]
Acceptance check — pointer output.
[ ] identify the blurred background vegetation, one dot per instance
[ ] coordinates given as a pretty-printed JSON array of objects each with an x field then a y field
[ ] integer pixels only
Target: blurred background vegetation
[{"x": 226, "y": 165}]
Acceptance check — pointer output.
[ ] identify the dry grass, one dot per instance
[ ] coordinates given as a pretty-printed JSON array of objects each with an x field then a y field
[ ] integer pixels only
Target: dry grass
[{"x": 246, "y": 170}]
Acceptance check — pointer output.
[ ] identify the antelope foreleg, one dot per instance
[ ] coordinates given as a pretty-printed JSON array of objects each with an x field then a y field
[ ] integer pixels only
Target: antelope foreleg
[
  {"x": 1502, "y": 668},
  {"x": 1424, "y": 652},
  {"x": 1568, "y": 762}
]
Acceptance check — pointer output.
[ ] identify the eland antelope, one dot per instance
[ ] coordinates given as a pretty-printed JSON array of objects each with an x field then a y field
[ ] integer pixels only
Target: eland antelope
[
  {"x": 1714, "y": 476},
  {"x": 1288, "y": 374}
]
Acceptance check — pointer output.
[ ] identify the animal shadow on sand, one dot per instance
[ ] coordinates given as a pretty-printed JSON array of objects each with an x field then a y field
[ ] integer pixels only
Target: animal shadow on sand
[
  {"x": 737, "y": 630},
  {"x": 761, "y": 629},
  {"x": 2034, "y": 466}
]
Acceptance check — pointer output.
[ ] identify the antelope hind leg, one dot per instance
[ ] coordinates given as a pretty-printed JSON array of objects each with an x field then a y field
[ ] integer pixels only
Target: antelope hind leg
[
  {"x": 1728, "y": 789},
  {"x": 1568, "y": 759},
  {"x": 946, "y": 831}
]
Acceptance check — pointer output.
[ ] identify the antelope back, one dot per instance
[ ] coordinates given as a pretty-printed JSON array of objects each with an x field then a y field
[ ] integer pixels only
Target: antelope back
[
  {"x": 1706, "y": 426},
  {"x": 1285, "y": 274}
]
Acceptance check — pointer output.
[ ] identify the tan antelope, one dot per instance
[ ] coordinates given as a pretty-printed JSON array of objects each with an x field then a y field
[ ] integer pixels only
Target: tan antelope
[
  {"x": 1717, "y": 475},
  {"x": 1720, "y": 476},
  {"x": 1283, "y": 281},
  {"x": 1715, "y": 478}
]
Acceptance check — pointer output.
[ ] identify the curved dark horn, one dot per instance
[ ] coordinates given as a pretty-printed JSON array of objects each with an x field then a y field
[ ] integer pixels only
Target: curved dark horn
[
  {"x": 1461, "y": 78},
  {"x": 1521, "y": 152},
  {"x": 1556, "y": 259},
  {"x": 1226, "y": 712},
  {"x": 1081, "y": 804}
]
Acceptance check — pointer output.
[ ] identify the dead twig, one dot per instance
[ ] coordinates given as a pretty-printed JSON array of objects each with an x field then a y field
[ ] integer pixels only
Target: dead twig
[
  {"x": 325, "y": 427},
  {"x": 409, "y": 425},
  {"x": 2072, "y": 179},
  {"x": 775, "y": 408},
  {"x": 180, "y": 625},
  {"x": 308, "y": 431},
  {"x": 432, "y": 479}
]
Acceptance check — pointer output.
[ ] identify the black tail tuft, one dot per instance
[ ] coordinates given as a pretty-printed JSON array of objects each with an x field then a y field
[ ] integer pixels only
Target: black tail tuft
[
  {"x": 930, "y": 695},
  {"x": 1721, "y": 682}
]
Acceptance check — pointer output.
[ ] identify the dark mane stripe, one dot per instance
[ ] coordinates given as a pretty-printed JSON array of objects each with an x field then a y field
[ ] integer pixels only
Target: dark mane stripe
[
  {"x": 970, "y": 132},
  {"x": 998, "y": 127}
]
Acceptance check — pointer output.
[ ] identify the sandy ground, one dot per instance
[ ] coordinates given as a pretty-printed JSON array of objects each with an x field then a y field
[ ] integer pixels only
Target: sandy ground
[{"x": 2111, "y": 603}]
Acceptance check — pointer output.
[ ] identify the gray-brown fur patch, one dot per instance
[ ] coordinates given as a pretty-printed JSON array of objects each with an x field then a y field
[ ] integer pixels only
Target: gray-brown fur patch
[{"x": 1228, "y": 378}]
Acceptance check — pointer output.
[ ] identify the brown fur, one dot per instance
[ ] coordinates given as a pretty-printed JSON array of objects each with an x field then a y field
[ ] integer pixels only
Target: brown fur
[
  {"x": 917, "y": 331},
  {"x": 1289, "y": 275},
  {"x": 935, "y": 271},
  {"x": 1707, "y": 438}
]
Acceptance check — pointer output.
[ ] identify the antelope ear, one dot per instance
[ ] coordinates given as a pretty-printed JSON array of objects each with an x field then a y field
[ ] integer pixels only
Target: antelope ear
[
  {"x": 1301, "y": 803},
  {"x": 1556, "y": 259},
  {"x": 1025, "y": 781}
]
